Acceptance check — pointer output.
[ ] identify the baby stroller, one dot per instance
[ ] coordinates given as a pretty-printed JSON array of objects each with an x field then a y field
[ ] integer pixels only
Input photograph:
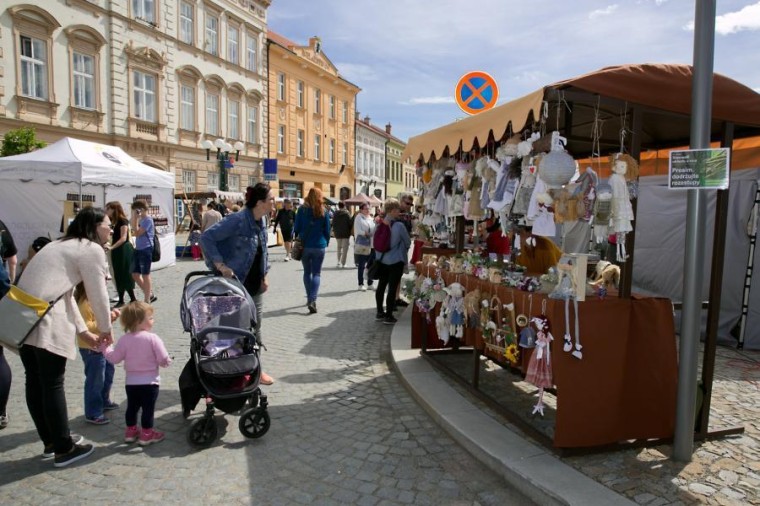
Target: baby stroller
[{"x": 224, "y": 364}]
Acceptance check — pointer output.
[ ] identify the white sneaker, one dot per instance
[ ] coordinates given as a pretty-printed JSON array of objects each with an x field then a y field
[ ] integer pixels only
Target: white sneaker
[
  {"x": 287, "y": 259},
  {"x": 372, "y": 287},
  {"x": 338, "y": 265},
  {"x": 362, "y": 288}
]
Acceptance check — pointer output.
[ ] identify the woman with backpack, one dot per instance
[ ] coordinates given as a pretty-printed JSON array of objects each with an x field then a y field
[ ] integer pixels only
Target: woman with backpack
[
  {"x": 313, "y": 228},
  {"x": 391, "y": 244}
]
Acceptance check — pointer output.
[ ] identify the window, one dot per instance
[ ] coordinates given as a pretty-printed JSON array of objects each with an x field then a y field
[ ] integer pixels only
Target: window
[
  {"x": 332, "y": 107},
  {"x": 188, "y": 180},
  {"x": 252, "y": 180},
  {"x": 234, "y": 119},
  {"x": 317, "y": 101},
  {"x": 187, "y": 108},
  {"x": 317, "y": 147},
  {"x": 300, "y": 138},
  {"x": 253, "y": 130},
  {"x": 186, "y": 22},
  {"x": 281, "y": 139},
  {"x": 232, "y": 44},
  {"x": 34, "y": 68},
  {"x": 212, "y": 34},
  {"x": 84, "y": 80},
  {"x": 251, "y": 52},
  {"x": 144, "y": 90},
  {"x": 212, "y": 114},
  {"x": 213, "y": 181},
  {"x": 345, "y": 111},
  {"x": 145, "y": 10},
  {"x": 332, "y": 151},
  {"x": 234, "y": 182},
  {"x": 299, "y": 94},
  {"x": 345, "y": 153},
  {"x": 281, "y": 86}
]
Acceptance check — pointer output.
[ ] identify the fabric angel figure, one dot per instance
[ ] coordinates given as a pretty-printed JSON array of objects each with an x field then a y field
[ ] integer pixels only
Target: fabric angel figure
[
  {"x": 540, "y": 368},
  {"x": 566, "y": 290},
  {"x": 624, "y": 169},
  {"x": 452, "y": 310}
]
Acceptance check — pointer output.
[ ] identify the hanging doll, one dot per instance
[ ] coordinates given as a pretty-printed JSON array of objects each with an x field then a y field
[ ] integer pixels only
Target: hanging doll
[
  {"x": 471, "y": 309},
  {"x": 540, "y": 368},
  {"x": 527, "y": 333},
  {"x": 602, "y": 210},
  {"x": 567, "y": 289},
  {"x": 624, "y": 168},
  {"x": 452, "y": 312}
]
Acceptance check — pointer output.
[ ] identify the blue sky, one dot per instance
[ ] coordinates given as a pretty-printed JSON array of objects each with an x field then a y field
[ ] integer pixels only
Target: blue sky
[{"x": 407, "y": 55}]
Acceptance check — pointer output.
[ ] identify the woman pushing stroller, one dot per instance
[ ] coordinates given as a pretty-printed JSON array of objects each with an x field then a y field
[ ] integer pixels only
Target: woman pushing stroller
[{"x": 237, "y": 246}]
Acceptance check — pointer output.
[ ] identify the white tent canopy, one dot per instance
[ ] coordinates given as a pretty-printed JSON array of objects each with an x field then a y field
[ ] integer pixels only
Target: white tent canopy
[{"x": 37, "y": 185}]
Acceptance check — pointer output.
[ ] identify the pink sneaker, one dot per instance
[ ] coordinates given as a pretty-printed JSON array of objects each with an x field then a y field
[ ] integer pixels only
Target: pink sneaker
[
  {"x": 150, "y": 436},
  {"x": 131, "y": 434}
]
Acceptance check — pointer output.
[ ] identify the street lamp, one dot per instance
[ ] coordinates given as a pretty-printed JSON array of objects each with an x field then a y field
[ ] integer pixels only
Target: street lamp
[{"x": 223, "y": 150}]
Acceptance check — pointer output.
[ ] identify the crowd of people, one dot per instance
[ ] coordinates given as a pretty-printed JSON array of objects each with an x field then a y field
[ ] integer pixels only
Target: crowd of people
[{"x": 100, "y": 245}]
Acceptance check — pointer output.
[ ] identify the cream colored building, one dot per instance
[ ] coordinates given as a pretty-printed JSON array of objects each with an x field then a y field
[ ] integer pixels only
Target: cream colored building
[
  {"x": 311, "y": 120},
  {"x": 370, "y": 158},
  {"x": 154, "y": 77}
]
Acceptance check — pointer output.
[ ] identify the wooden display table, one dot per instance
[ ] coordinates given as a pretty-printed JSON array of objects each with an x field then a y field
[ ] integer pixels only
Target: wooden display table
[{"x": 623, "y": 388}]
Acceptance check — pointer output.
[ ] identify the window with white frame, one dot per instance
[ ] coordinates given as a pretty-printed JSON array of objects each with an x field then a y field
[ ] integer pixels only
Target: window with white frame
[
  {"x": 252, "y": 180},
  {"x": 253, "y": 124},
  {"x": 83, "y": 69},
  {"x": 212, "y": 113},
  {"x": 359, "y": 162},
  {"x": 186, "y": 22},
  {"x": 233, "y": 113},
  {"x": 332, "y": 107},
  {"x": 144, "y": 93},
  {"x": 187, "y": 107},
  {"x": 212, "y": 34},
  {"x": 345, "y": 153},
  {"x": 145, "y": 10},
  {"x": 332, "y": 151},
  {"x": 188, "y": 180},
  {"x": 233, "y": 34},
  {"x": 281, "y": 86},
  {"x": 317, "y": 147},
  {"x": 281, "y": 138},
  {"x": 345, "y": 111},
  {"x": 300, "y": 94},
  {"x": 233, "y": 182},
  {"x": 251, "y": 52},
  {"x": 300, "y": 139},
  {"x": 213, "y": 181},
  {"x": 317, "y": 101},
  {"x": 34, "y": 76}
]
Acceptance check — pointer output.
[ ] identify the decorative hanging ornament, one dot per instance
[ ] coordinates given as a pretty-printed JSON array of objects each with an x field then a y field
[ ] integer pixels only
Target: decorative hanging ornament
[{"x": 556, "y": 167}]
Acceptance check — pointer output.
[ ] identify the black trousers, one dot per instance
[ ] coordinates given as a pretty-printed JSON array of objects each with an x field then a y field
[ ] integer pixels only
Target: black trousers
[
  {"x": 141, "y": 397},
  {"x": 5, "y": 381},
  {"x": 46, "y": 397},
  {"x": 390, "y": 277}
]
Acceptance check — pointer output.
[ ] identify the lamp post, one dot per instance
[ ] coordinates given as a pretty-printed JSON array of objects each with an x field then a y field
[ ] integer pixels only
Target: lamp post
[{"x": 223, "y": 150}]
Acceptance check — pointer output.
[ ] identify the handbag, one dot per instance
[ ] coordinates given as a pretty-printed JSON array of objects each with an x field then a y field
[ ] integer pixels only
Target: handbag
[
  {"x": 373, "y": 272},
  {"x": 20, "y": 313},
  {"x": 156, "y": 254},
  {"x": 296, "y": 250},
  {"x": 362, "y": 245}
]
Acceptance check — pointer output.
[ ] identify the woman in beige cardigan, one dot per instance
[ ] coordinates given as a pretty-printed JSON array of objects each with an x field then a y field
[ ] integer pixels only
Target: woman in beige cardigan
[{"x": 78, "y": 257}]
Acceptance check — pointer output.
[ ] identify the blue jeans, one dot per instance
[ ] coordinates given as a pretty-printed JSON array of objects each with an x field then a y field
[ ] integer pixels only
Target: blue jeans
[
  {"x": 312, "y": 271},
  {"x": 362, "y": 262},
  {"x": 98, "y": 378}
]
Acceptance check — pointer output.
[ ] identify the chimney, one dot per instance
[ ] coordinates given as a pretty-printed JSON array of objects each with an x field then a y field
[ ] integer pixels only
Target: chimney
[
  {"x": 357, "y": 115},
  {"x": 388, "y": 128},
  {"x": 366, "y": 119}
]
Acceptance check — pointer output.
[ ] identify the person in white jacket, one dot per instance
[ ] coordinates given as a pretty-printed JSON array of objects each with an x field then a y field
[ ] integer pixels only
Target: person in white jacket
[{"x": 364, "y": 228}]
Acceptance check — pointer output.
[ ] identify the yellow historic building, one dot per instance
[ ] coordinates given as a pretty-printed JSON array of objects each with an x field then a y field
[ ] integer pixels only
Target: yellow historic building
[{"x": 310, "y": 120}]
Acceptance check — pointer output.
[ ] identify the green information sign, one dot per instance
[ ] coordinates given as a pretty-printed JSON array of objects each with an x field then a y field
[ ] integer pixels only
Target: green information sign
[{"x": 701, "y": 169}]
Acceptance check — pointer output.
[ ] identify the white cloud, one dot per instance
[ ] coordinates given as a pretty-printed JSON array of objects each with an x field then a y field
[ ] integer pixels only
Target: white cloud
[
  {"x": 429, "y": 101},
  {"x": 747, "y": 18},
  {"x": 357, "y": 72},
  {"x": 603, "y": 12}
]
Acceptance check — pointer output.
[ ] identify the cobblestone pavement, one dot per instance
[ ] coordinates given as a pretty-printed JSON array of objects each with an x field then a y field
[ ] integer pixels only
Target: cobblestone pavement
[{"x": 344, "y": 429}]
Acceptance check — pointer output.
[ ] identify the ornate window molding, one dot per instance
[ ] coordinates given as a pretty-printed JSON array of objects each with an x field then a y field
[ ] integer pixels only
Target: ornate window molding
[
  {"x": 84, "y": 40},
  {"x": 147, "y": 61},
  {"x": 189, "y": 77}
]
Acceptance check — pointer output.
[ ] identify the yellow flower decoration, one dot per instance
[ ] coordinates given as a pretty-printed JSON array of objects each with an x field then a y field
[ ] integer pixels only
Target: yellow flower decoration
[{"x": 512, "y": 353}]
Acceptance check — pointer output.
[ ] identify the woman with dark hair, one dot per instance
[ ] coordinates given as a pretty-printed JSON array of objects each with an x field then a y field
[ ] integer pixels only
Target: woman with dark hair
[
  {"x": 121, "y": 252},
  {"x": 142, "y": 259},
  {"x": 237, "y": 246},
  {"x": 78, "y": 257},
  {"x": 313, "y": 227}
]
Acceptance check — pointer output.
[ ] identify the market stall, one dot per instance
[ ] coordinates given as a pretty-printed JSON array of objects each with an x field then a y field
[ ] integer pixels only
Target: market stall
[{"x": 515, "y": 166}]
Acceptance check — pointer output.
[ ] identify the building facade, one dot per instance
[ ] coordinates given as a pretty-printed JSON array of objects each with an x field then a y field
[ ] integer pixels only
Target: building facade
[
  {"x": 311, "y": 120},
  {"x": 394, "y": 171},
  {"x": 411, "y": 180},
  {"x": 370, "y": 158},
  {"x": 154, "y": 77}
]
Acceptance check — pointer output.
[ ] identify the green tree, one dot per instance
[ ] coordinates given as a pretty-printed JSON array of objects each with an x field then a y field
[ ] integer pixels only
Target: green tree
[{"x": 21, "y": 140}]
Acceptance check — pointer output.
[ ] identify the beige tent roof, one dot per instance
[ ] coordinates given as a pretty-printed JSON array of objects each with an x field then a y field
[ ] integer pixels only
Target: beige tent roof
[{"x": 661, "y": 92}]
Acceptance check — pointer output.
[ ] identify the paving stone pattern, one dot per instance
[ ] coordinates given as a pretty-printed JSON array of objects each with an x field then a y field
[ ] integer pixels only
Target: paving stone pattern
[{"x": 344, "y": 430}]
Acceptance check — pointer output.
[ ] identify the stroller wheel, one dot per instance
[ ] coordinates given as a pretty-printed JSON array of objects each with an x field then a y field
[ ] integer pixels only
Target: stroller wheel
[
  {"x": 202, "y": 432},
  {"x": 254, "y": 423}
]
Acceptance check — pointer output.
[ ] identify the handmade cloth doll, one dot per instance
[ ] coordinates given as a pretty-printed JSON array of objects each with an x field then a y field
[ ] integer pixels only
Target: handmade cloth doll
[
  {"x": 452, "y": 310},
  {"x": 566, "y": 289},
  {"x": 543, "y": 219},
  {"x": 624, "y": 169},
  {"x": 527, "y": 334},
  {"x": 606, "y": 275},
  {"x": 471, "y": 309},
  {"x": 602, "y": 211},
  {"x": 540, "y": 367},
  {"x": 525, "y": 187}
]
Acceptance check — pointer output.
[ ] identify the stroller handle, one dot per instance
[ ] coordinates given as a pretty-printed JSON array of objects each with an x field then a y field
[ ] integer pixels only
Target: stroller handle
[{"x": 194, "y": 274}]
